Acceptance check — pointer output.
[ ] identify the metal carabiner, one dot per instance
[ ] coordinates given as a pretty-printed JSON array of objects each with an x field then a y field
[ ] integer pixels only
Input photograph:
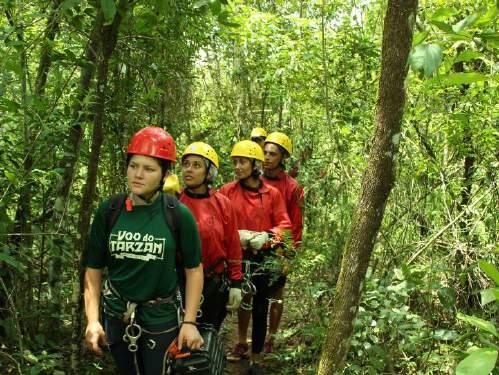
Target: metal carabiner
[
  {"x": 131, "y": 338},
  {"x": 247, "y": 287}
]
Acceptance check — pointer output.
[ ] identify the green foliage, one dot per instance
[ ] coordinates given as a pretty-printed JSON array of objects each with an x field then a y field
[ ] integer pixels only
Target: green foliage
[
  {"x": 426, "y": 58},
  {"x": 109, "y": 11},
  {"x": 481, "y": 361}
]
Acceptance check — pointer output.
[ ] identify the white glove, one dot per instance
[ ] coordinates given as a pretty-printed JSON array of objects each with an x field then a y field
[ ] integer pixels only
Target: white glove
[
  {"x": 245, "y": 236},
  {"x": 259, "y": 240},
  {"x": 235, "y": 298}
]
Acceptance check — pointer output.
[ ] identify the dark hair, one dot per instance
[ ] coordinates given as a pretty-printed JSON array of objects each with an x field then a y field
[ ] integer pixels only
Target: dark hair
[
  {"x": 258, "y": 139},
  {"x": 283, "y": 151},
  {"x": 255, "y": 172}
]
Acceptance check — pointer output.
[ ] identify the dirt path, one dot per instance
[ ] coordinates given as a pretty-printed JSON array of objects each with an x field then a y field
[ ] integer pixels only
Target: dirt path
[{"x": 229, "y": 335}]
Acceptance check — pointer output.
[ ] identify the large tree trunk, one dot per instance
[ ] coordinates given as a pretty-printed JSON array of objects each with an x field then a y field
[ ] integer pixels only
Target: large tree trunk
[{"x": 376, "y": 185}]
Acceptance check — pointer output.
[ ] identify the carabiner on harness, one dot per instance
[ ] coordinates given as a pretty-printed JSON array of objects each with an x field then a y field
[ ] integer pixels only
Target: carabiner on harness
[
  {"x": 247, "y": 286},
  {"x": 132, "y": 331}
]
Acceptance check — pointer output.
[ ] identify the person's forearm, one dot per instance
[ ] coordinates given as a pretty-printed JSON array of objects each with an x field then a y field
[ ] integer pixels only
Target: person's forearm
[
  {"x": 92, "y": 290},
  {"x": 193, "y": 290}
]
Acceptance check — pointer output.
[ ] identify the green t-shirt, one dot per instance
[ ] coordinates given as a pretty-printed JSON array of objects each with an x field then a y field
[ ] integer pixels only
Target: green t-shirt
[{"x": 140, "y": 257}]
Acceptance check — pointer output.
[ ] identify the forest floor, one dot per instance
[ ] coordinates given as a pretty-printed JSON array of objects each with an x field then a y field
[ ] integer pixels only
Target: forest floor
[
  {"x": 228, "y": 332},
  {"x": 289, "y": 354}
]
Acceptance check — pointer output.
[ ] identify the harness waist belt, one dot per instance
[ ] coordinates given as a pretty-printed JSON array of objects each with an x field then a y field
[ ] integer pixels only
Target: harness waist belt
[{"x": 157, "y": 301}]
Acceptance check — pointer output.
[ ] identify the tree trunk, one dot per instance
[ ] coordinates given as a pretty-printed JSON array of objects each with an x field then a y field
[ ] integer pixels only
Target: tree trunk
[
  {"x": 464, "y": 255},
  {"x": 107, "y": 44},
  {"x": 376, "y": 185},
  {"x": 262, "y": 111},
  {"x": 101, "y": 35},
  {"x": 21, "y": 290}
]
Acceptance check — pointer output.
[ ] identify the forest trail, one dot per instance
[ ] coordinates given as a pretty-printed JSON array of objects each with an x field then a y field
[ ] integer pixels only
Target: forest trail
[{"x": 228, "y": 333}]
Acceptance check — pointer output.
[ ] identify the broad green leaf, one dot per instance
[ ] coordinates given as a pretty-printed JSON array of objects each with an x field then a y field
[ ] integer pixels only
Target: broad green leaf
[
  {"x": 489, "y": 295},
  {"x": 68, "y": 4},
  {"x": 109, "y": 10},
  {"x": 10, "y": 176},
  {"x": 491, "y": 38},
  {"x": 445, "y": 335},
  {"x": 9, "y": 105},
  {"x": 425, "y": 58},
  {"x": 200, "y": 3},
  {"x": 59, "y": 205},
  {"x": 479, "y": 323},
  {"x": 480, "y": 362},
  {"x": 420, "y": 37},
  {"x": 9, "y": 260},
  {"x": 461, "y": 117},
  {"x": 443, "y": 26},
  {"x": 443, "y": 13},
  {"x": 490, "y": 271},
  {"x": 467, "y": 56},
  {"x": 215, "y": 6},
  {"x": 447, "y": 297},
  {"x": 468, "y": 21},
  {"x": 488, "y": 16},
  {"x": 463, "y": 78}
]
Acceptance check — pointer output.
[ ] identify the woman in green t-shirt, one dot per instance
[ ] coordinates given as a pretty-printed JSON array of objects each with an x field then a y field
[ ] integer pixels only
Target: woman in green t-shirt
[{"x": 137, "y": 318}]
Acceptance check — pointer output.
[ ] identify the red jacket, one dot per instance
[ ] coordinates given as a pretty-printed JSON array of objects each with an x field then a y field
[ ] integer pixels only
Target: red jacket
[
  {"x": 260, "y": 210},
  {"x": 292, "y": 193},
  {"x": 216, "y": 221}
]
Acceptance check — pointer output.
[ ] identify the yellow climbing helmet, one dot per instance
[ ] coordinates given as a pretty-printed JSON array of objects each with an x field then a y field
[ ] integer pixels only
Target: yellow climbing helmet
[
  {"x": 202, "y": 149},
  {"x": 280, "y": 139},
  {"x": 258, "y": 132},
  {"x": 247, "y": 149}
]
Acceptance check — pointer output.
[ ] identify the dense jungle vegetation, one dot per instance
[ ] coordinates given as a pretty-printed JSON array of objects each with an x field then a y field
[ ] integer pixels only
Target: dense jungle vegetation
[{"x": 77, "y": 78}]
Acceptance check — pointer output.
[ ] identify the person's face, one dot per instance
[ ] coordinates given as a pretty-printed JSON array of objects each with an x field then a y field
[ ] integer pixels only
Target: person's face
[
  {"x": 143, "y": 175},
  {"x": 273, "y": 156},
  {"x": 193, "y": 170},
  {"x": 259, "y": 140},
  {"x": 242, "y": 167}
]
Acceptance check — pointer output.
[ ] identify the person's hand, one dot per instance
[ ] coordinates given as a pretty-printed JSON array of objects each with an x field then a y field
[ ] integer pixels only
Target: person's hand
[
  {"x": 259, "y": 240},
  {"x": 235, "y": 297},
  {"x": 245, "y": 236},
  {"x": 190, "y": 337},
  {"x": 95, "y": 337}
]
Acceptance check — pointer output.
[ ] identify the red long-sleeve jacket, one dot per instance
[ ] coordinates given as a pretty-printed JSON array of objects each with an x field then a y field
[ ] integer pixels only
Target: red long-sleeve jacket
[
  {"x": 292, "y": 193},
  {"x": 259, "y": 210},
  {"x": 217, "y": 225}
]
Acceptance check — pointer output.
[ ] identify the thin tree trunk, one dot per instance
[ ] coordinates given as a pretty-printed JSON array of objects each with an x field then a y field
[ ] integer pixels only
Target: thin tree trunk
[
  {"x": 22, "y": 224},
  {"x": 466, "y": 297},
  {"x": 262, "y": 111},
  {"x": 45, "y": 62},
  {"x": 68, "y": 164},
  {"x": 106, "y": 45},
  {"x": 376, "y": 185},
  {"x": 324, "y": 65}
]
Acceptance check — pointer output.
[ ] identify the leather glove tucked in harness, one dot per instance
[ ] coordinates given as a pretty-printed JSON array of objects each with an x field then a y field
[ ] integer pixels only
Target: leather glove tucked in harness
[
  {"x": 235, "y": 298},
  {"x": 259, "y": 240}
]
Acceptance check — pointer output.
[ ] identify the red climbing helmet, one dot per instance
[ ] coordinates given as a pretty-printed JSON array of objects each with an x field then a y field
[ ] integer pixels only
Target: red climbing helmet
[{"x": 153, "y": 141}]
